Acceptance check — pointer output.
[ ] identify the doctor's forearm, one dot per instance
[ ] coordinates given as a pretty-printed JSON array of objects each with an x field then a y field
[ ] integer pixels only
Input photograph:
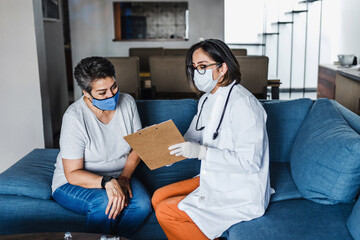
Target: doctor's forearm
[{"x": 130, "y": 165}]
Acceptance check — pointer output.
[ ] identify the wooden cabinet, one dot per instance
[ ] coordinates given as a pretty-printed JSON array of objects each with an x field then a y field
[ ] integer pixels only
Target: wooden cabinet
[
  {"x": 326, "y": 82},
  {"x": 341, "y": 84},
  {"x": 348, "y": 91}
]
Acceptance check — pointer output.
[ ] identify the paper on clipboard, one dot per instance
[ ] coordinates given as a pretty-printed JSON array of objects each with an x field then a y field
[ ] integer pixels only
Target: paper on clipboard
[{"x": 152, "y": 143}]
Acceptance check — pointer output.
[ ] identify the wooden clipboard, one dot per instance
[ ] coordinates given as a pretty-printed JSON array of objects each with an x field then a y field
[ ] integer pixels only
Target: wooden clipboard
[{"x": 152, "y": 143}]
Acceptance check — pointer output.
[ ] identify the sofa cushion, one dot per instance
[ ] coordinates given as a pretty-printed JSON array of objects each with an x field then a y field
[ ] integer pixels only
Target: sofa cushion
[
  {"x": 353, "y": 221},
  {"x": 150, "y": 230},
  {"x": 296, "y": 220},
  {"x": 284, "y": 119},
  {"x": 282, "y": 182},
  {"x": 31, "y": 176},
  {"x": 325, "y": 159},
  {"x": 20, "y": 214}
]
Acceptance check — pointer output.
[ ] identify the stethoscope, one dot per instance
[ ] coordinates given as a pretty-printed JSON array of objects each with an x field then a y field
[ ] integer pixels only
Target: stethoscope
[{"x": 216, "y": 133}]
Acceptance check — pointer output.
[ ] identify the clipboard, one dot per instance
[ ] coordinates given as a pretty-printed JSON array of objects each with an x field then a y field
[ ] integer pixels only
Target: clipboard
[{"x": 152, "y": 143}]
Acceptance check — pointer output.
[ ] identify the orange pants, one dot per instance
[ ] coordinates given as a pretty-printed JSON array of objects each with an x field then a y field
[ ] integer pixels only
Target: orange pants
[{"x": 176, "y": 223}]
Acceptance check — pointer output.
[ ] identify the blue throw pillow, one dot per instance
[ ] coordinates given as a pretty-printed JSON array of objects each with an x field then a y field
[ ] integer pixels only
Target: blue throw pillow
[
  {"x": 353, "y": 221},
  {"x": 31, "y": 176},
  {"x": 325, "y": 159}
]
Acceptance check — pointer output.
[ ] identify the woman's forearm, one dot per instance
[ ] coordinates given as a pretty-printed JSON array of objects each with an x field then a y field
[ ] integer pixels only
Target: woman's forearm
[
  {"x": 130, "y": 165},
  {"x": 84, "y": 179}
]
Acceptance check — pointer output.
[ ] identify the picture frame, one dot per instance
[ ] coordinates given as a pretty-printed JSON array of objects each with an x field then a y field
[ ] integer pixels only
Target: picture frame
[{"x": 51, "y": 10}]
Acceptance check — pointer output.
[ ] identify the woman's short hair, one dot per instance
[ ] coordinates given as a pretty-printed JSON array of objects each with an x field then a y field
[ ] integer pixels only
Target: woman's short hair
[
  {"x": 219, "y": 52},
  {"x": 90, "y": 69}
]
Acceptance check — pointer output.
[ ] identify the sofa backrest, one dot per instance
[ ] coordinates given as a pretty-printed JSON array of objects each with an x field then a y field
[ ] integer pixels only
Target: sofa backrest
[
  {"x": 157, "y": 111},
  {"x": 284, "y": 119}
]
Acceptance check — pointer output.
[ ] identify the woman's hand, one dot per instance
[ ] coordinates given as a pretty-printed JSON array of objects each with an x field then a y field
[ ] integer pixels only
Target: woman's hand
[
  {"x": 116, "y": 199},
  {"x": 124, "y": 183},
  {"x": 188, "y": 150}
]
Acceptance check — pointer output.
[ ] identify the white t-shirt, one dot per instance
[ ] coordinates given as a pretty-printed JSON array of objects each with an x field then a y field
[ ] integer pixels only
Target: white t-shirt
[{"x": 102, "y": 146}]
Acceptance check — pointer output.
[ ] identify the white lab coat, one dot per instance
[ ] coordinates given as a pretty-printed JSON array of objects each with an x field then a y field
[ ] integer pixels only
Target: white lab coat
[{"x": 234, "y": 177}]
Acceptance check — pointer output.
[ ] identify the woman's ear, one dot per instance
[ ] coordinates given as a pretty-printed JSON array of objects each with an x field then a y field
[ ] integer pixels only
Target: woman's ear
[
  {"x": 86, "y": 94},
  {"x": 223, "y": 69}
]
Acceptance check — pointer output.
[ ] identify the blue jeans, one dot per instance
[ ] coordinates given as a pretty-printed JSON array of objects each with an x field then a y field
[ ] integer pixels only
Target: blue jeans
[{"x": 92, "y": 202}]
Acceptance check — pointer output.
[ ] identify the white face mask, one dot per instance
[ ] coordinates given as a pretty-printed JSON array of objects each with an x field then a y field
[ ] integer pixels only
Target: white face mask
[{"x": 205, "y": 82}]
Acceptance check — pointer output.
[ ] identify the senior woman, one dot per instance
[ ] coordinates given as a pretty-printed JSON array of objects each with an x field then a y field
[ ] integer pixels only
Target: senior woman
[
  {"x": 228, "y": 135},
  {"x": 94, "y": 167}
]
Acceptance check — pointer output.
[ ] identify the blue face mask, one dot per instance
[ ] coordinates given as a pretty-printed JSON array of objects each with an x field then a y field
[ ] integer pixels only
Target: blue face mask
[{"x": 107, "y": 104}]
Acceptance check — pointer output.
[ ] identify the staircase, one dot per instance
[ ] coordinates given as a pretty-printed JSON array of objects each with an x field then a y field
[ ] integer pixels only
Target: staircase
[{"x": 290, "y": 38}]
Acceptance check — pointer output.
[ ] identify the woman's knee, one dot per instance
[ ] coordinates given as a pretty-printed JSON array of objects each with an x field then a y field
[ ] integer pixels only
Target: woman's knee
[
  {"x": 143, "y": 205},
  {"x": 158, "y": 196},
  {"x": 164, "y": 211}
]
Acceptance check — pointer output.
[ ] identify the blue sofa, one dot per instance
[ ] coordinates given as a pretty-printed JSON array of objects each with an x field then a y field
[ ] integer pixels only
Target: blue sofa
[{"x": 314, "y": 169}]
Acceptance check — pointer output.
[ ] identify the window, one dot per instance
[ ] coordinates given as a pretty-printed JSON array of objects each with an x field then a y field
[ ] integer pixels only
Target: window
[{"x": 151, "y": 20}]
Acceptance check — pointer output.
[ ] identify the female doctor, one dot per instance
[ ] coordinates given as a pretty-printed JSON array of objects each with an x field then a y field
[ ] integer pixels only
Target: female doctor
[{"x": 228, "y": 135}]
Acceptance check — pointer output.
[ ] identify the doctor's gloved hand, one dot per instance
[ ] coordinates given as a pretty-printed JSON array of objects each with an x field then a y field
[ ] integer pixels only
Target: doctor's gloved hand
[{"x": 189, "y": 150}]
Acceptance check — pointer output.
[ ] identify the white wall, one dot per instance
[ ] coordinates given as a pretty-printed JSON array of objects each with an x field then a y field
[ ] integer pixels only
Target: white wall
[
  {"x": 340, "y": 30},
  {"x": 21, "y": 122},
  {"x": 244, "y": 21},
  {"x": 92, "y": 29}
]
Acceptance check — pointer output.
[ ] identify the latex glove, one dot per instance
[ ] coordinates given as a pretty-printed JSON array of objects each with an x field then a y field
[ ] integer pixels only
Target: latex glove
[{"x": 188, "y": 150}]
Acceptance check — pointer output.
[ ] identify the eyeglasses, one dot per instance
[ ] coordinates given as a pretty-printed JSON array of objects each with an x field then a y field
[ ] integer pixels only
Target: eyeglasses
[{"x": 201, "y": 68}]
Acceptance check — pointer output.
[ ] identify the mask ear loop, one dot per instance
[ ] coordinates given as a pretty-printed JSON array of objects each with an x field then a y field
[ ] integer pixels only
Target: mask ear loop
[
  {"x": 220, "y": 74},
  {"x": 219, "y": 77}
]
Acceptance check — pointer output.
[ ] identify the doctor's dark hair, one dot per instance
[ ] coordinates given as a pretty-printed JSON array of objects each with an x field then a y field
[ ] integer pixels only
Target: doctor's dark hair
[
  {"x": 219, "y": 52},
  {"x": 90, "y": 69}
]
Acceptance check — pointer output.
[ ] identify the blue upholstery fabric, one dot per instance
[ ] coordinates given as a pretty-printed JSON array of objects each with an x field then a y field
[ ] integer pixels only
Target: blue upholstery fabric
[
  {"x": 325, "y": 160},
  {"x": 351, "y": 118},
  {"x": 283, "y": 123},
  {"x": 182, "y": 113},
  {"x": 281, "y": 180},
  {"x": 21, "y": 214},
  {"x": 157, "y": 111},
  {"x": 353, "y": 221},
  {"x": 150, "y": 230},
  {"x": 284, "y": 219},
  {"x": 296, "y": 220},
  {"x": 31, "y": 176},
  {"x": 154, "y": 179}
]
